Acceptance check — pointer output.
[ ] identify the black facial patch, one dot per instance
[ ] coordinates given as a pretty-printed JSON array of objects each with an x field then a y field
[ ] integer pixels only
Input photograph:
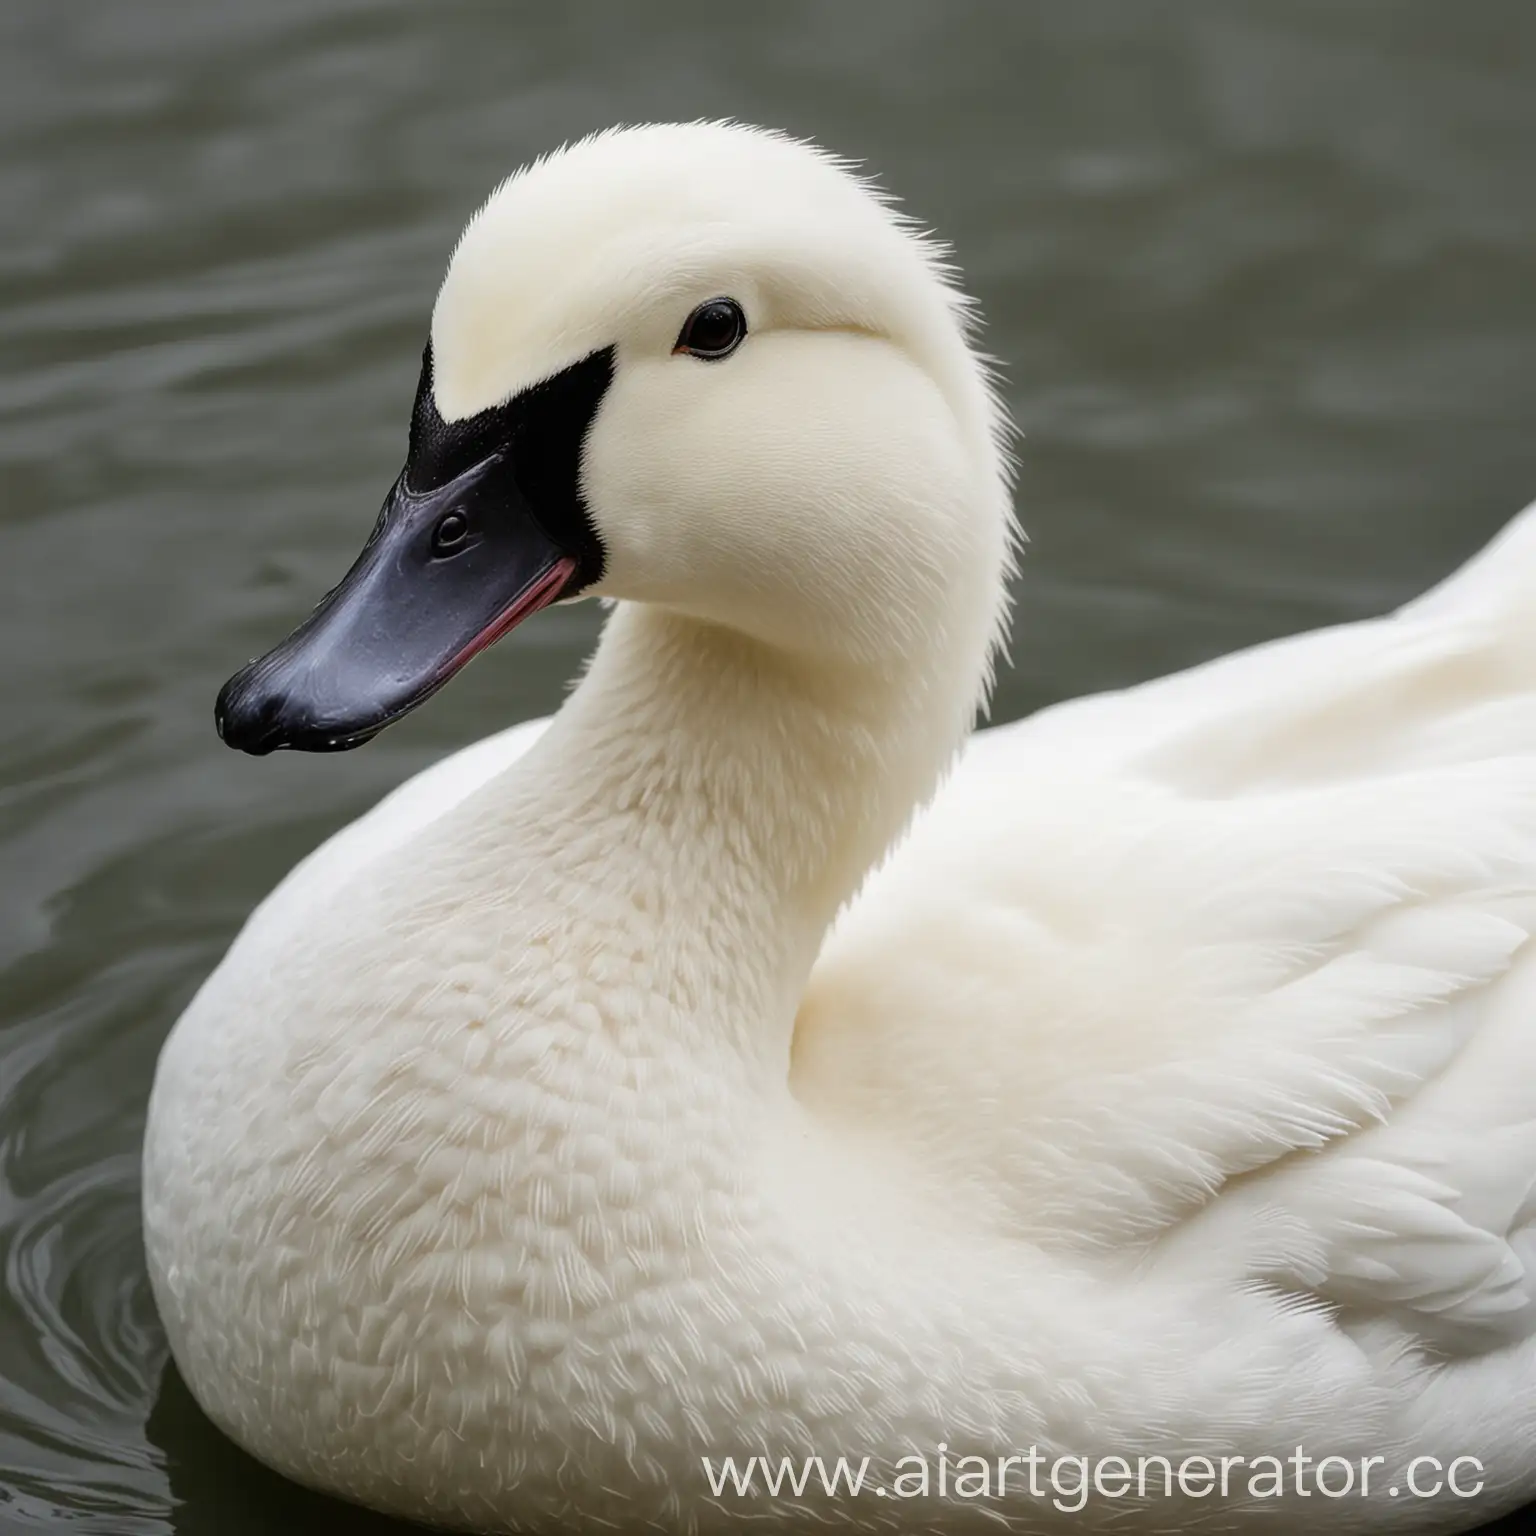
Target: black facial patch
[
  {"x": 537, "y": 437},
  {"x": 483, "y": 527}
]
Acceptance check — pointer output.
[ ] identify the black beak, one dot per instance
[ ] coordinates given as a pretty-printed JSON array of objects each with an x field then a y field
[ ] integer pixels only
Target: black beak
[
  {"x": 442, "y": 577},
  {"x": 491, "y": 538}
]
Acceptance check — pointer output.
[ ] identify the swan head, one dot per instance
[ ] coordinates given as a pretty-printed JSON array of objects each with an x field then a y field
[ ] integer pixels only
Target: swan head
[{"x": 701, "y": 366}]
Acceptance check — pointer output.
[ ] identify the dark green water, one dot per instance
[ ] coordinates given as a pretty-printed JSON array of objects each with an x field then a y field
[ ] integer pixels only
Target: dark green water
[{"x": 1264, "y": 276}]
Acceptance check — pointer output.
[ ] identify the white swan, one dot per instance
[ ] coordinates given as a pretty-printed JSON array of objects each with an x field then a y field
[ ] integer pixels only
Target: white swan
[{"x": 1170, "y": 1089}]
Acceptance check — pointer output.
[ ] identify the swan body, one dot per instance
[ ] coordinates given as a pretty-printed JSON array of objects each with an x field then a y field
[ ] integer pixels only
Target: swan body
[{"x": 589, "y": 1108}]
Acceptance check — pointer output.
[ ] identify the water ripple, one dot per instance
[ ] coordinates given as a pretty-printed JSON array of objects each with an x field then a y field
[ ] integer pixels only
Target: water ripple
[{"x": 81, "y": 1370}]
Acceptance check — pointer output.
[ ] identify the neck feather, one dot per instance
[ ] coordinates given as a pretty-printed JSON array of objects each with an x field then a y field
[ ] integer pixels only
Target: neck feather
[{"x": 714, "y": 800}]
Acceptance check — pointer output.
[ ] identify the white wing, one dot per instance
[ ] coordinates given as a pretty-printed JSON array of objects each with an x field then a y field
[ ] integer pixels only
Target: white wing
[{"x": 1234, "y": 969}]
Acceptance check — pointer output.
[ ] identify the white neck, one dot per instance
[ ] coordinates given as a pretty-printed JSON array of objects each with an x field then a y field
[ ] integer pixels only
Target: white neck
[{"x": 704, "y": 804}]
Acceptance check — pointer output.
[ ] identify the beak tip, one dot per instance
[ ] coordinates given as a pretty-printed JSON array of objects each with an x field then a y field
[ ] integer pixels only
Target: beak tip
[
  {"x": 244, "y": 720},
  {"x": 254, "y": 717}
]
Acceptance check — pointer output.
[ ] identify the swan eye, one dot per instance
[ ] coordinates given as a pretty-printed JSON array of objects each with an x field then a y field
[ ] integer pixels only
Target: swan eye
[
  {"x": 451, "y": 531},
  {"x": 714, "y": 330}
]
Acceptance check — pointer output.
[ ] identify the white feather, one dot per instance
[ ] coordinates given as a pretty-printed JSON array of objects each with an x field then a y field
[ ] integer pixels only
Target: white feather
[{"x": 588, "y": 1107}]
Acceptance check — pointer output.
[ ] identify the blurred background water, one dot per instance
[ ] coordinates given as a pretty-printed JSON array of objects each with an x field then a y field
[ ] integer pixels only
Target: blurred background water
[{"x": 1264, "y": 277}]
